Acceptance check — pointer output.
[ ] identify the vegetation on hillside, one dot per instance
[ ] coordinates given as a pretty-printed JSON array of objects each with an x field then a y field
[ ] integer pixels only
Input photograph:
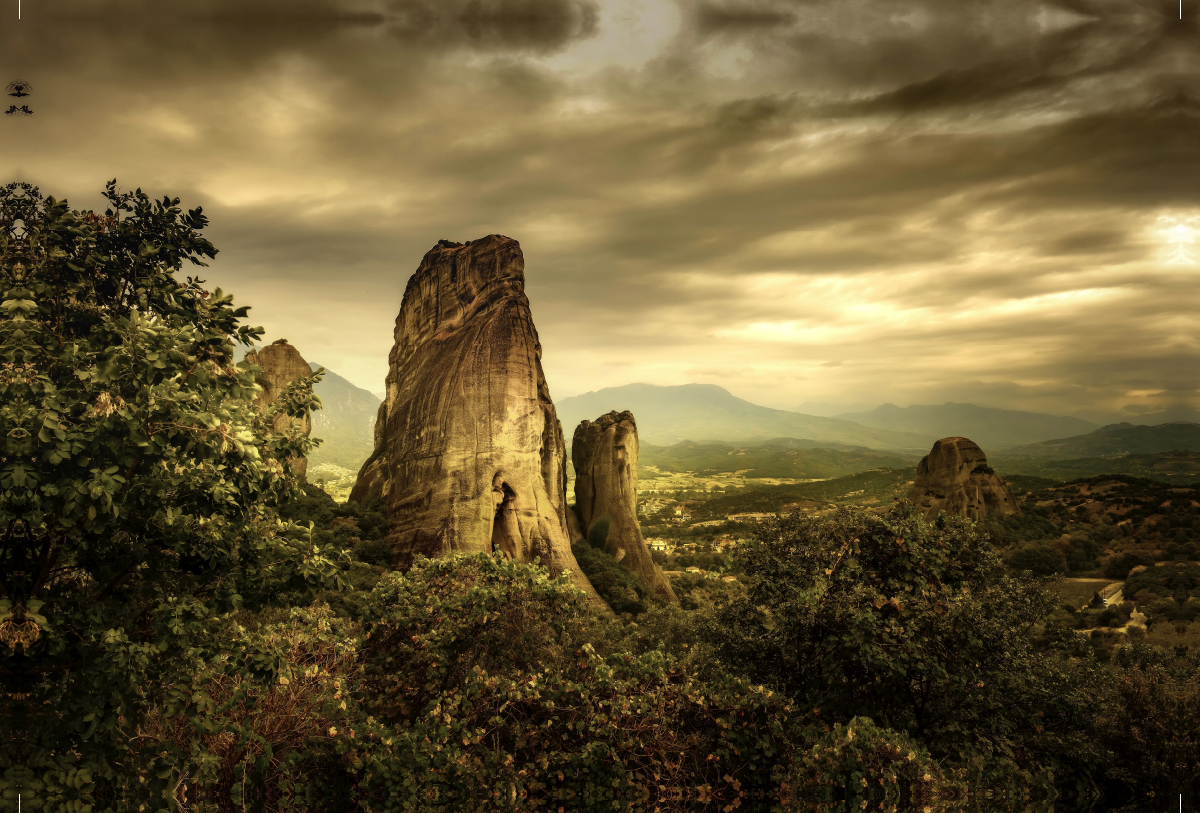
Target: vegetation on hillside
[
  {"x": 781, "y": 458},
  {"x": 878, "y": 486},
  {"x": 1180, "y": 467}
]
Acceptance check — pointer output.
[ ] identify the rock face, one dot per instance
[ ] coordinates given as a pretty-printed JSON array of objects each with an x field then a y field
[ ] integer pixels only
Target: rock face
[
  {"x": 469, "y": 454},
  {"x": 605, "y": 455},
  {"x": 954, "y": 477},
  {"x": 281, "y": 365}
]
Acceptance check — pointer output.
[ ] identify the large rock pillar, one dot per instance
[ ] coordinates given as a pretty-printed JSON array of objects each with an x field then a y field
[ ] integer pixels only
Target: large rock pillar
[
  {"x": 469, "y": 453},
  {"x": 955, "y": 477},
  {"x": 281, "y": 365},
  {"x": 605, "y": 454}
]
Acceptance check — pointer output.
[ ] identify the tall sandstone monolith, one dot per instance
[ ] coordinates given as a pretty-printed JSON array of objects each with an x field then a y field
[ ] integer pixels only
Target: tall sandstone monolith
[
  {"x": 281, "y": 365},
  {"x": 955, "y": 477},
  {"x": 469, "y": 453},
  {"x": 605, "y": 456}
]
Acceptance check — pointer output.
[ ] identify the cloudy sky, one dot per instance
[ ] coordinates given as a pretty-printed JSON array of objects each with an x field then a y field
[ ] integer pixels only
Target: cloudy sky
[{"x": 803, "y": 201}]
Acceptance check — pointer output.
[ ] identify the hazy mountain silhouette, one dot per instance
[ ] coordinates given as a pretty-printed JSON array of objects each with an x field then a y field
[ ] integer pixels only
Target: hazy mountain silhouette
[
  {"x": 346, "y": 423},
  {"x": 701, "y": 412},
  {"x": 1116, "y": 440},
  {"x": 989, "y": 427}
]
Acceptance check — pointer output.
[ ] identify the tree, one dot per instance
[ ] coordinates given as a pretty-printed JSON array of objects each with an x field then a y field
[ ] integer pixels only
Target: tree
[
  {"x": 137, "y": 492},
  {"x": 1039, "y": 559},
  {"x": 1118, "y": 567},
  {"x": 917, "y": 626}
]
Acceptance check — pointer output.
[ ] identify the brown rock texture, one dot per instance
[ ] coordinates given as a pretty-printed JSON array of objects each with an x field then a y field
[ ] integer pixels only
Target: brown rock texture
[
  {"x": 605, "y": 454},
  {"x": 281, "y": 365},
  {"x": 469, "y": 453},
  {"x": 954, "y": 477}
]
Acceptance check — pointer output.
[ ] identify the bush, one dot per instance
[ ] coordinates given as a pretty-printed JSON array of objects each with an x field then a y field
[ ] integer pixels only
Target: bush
[
  {"x": 1118, "y": 567},
  {"x": 859, "y": 765},
  {"x": 270, "y": 747},
  {"x": 485, "y": 695},
  {"x": 912, "y": 624},
  {"x": 621, "y": 588},
  {"x": 1040, "y": 560},
  {"x": 374, "y": 552}
]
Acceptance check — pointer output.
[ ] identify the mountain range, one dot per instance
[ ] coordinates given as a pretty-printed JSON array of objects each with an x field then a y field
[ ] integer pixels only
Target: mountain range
[
  {"x": 989, "y": 427},
  {"x": 1117, "y": 440},
  {"x": 780, "y": 443},
  {"x": 345, "y": 423},
  {"x": 706, "y": 412}
]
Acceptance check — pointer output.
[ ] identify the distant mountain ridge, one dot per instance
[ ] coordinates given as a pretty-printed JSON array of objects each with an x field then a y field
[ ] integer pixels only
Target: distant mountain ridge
[
  {"x": 991, "y": 428},
  {"x": 345, "y": 423},
  {"x": 704, "y": 412},
  {"x": 1116, "y": 440},
  {"x": 1180, "y": 466}
]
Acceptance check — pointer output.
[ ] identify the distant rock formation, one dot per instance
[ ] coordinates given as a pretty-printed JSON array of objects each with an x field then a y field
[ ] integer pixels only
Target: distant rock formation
[
  {"x": 954, "y": 477},
  {"x": 469, "y": 454},
  {"x": 281, "y": 365},
  {"x": 605, "y": 455}
]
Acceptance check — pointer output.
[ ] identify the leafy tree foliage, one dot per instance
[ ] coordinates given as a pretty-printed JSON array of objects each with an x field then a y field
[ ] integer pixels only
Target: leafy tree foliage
[
  {"x": 1119, "y": 566},
  {"x": 1038, "y": 559},
  {"x": 486, "y": 694},
  {"x": 137, "y": 485},
  {"x": 1150, "y": 719},
  {"x": 620, "y": 587},
  {"x": 917, "y": 626}
]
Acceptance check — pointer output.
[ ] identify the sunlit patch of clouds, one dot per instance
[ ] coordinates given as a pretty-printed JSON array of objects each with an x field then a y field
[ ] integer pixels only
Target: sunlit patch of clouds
[
  {"x": 170, "y": 123},
  {"x": 1061, "y": 303},
  {"x": 1179, "y": 233},
  {"x": 630, "y": 33}
]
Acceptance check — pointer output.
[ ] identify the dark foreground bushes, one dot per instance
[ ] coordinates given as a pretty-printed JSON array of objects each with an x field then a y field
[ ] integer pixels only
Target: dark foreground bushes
[{"x": 475, "y": 685}]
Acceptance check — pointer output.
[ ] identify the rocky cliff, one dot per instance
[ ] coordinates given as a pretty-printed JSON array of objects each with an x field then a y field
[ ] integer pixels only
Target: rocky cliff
[
  {"x": 469, "y": 454},
  {"x": 955, "y": 477},
  {"x": 281, "y": 365},
  {"x": 605, "y": 456}
]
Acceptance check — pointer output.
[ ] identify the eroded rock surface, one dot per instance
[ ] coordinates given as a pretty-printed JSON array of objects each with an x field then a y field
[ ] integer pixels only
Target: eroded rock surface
[
  {"x": 469, "y": 453},
  {"x": 605, "y": 455},
  {"x": 281, "y": 365},
  {"x": 955, "y": 477}
]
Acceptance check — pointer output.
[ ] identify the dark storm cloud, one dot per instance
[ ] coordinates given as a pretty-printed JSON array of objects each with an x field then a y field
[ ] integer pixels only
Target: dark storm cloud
[
  {"x": 871, "y": 198},
  {"x": 227, "y": 32}
]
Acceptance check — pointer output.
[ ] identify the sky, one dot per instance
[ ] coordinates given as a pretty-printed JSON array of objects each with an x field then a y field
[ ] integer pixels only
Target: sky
[{"x": 820, "y": 202}]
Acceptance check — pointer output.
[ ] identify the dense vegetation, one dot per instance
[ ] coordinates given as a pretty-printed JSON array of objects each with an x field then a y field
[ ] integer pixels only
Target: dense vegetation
[
  {"x": 187, "y": 626},
  {"x": 1178, "y": 467},
  {"x": 879, "y": 485},
  {"x": 781, "y": 458}
]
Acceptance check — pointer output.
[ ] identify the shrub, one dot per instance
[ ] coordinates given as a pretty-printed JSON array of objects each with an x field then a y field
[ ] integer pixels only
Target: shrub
[
  {"x": 620, "y": 587},
  {"x": 374, "y": 552},
  {"x": 1039, "y": 559},
  {"x": 269, "y": 747},
  {"x": 1118, "y": 567},
  {"x": 485, "y": 695},
  {"x": 915, "y": 625}
]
